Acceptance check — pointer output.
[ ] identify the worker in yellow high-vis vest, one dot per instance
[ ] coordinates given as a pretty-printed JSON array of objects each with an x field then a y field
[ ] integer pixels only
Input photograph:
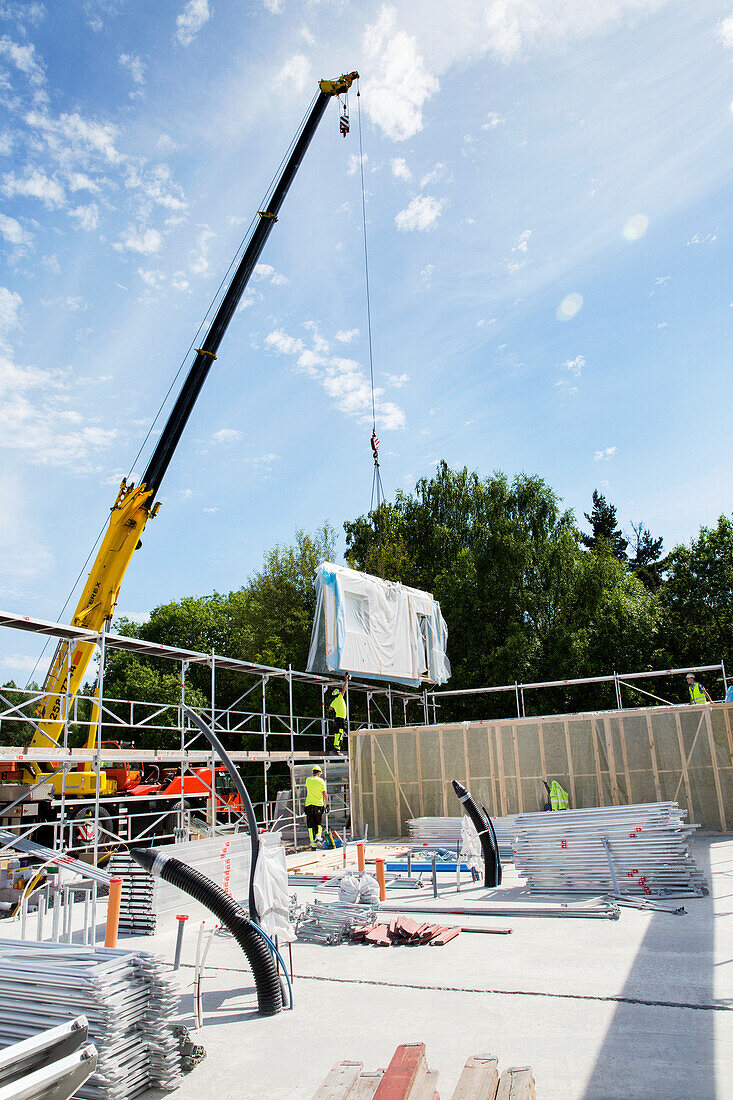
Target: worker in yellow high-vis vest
[
  {"x": 698, "y": 694},
  {"x": 316, "y": 801},
  {"x": 338, "y": 718}
]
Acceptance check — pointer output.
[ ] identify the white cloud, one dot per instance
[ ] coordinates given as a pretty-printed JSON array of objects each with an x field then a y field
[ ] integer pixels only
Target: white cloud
[
  {"x": 523, "y": 241},
  {"x": 485, "y": 321},
  {"x": 397, "y": 380},
  {"x": 267, "y": 272},
  {"x": 660, "y": 324},
  {"x": 635, "y": 227},
  {"x": 135, "y": 66},
  {"x": 661, "y": 280},
  {"x": 296, "y": 73},
  {"x": 421, "y": 214},
  {"x": 227, "y": 435},
  {"x": 72, "y": 137},
  {"x": 604, "y": 456},
  {"x": 35, "y": 184},
  {"x": 575, "y": 366},
  {"x": 399, "y": 83},
  {"x": 10, "y": 306},
  {"x": 400, "y": 168},
  {"x": 515, "y": 265},
  {"x": 142, "y": 240},
  {"x": 353, "y": 165},
  {"x": 51, "y": 263},
  {"x": 137, "y": 616},
  {"x": 24, "y": 58},
  {"x": 569, "y": 307},
  {"x": 6, "y": 143},
  {"x": 86, "y": 217},
  {"x": 190, "y": 21},
  {"x": 152, "y": 279},
  {"x": 279, "y": 341},
  {"x": 345, "y": 336},
  {"x": 13, "y": 231},
  {"x": 200, "y": 261},
  {"x": 492, "y": 121},
  {"x": 35, "y": 419},
  {"x": 308, "y": 35},
  {"x": 427, "y": 273},
  {"x": 724, "y": 32},
  {"x": 696, "y": 238},
  {"x": 344, "y": 380},
  {"x": 273, "y": 6},
  {"x": 210, "y": 511},
  {"x": 433, "y": 175}
]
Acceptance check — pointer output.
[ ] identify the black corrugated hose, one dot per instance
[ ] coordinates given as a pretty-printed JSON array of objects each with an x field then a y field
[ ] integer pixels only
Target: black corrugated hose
[
  {"x": 229, "y": 912},
  {"x": 485, "y": 830}
]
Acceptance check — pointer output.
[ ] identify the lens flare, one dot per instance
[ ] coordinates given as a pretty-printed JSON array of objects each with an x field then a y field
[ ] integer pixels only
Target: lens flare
[
  {"x": 569, "y": 307},
  {"x": 636, "y": 227}
]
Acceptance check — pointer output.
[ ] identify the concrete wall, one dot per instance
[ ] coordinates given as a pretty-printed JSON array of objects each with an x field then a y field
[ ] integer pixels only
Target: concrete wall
[{"x": 657, "y": 754}]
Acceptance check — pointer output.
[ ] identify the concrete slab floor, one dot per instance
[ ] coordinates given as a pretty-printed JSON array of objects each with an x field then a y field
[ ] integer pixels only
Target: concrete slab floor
[{"x": 641, "y": 1007}]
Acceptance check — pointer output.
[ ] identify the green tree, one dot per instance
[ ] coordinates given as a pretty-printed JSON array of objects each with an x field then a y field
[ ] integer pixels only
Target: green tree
[
  {"x": 603, "y": 524},
  {"x": 697, "y": 598},
  {"x": 645, "y": 559},
  {"x": 521, "y": 598}
]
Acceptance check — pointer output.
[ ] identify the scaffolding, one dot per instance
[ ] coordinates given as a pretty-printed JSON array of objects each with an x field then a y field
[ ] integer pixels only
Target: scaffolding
[{"x": 280, "y": 733}]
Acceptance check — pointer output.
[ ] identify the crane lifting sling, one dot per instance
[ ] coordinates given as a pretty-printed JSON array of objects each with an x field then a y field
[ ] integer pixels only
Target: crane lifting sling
[{"x": 135, "y": 504}]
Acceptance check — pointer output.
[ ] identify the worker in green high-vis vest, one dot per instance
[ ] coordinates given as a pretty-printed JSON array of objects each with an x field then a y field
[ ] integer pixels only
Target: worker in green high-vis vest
[
  {"x": 698, "y": 694},
  {"x": 338, "y": 718}
]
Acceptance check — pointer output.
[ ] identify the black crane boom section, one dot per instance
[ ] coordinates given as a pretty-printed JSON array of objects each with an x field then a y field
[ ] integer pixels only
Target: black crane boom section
[{"x": 206, "y": 354}]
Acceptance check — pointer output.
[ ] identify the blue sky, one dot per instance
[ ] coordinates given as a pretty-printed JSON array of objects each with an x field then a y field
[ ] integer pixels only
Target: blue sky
[{"x": 549, "y": 233}]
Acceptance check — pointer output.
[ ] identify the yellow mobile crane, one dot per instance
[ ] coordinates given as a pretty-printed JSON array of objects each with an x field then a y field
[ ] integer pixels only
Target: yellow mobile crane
[{"x": 135, "y": 504}]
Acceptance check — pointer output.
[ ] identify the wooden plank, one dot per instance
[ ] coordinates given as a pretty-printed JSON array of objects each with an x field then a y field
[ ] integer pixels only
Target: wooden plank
[
  {"x": 479, "y": 1079},
  {"x": 685, "y": 777},
  {"x": 465, "y": 756},
  {"x": 611, "y": 757},
  {"x": 517, "y": 770},
  {"x": 516, "y": 1083},
  {"x": 398, "y": 788},
  {"x": 625, "y": 758},
  {"x": 571, "y": 770},
  {"x": 420, "y": 795},
  {"x": 366, "y": 1085},
  {"x": 543, "y": 765},
  {"x": 407, "y": 1069},
  {"x": 374, "y": 785},
  {"x": 358, "y": 755},
  {"x": 493, "y": 772},
  {"x": 653, "y": 754},
  {"x": 597, "y": 755},
  {"x": 427, "y": 1088},
  {"x": 502, "y": 778},
  {"x": 716, "y": 773},
  {"x": 339, "y": 1082},
  {"x": 442, "y": 773}
]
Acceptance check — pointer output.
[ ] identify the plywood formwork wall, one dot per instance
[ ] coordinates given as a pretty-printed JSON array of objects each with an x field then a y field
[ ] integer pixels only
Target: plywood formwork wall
[{"x": 682, "y": 754}]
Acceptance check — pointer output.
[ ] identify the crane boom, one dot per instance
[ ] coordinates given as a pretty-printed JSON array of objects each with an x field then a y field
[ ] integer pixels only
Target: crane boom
[{"x": 134, "y": 505}]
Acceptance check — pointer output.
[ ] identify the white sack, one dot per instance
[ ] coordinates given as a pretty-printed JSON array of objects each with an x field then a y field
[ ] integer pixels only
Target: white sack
[{"x": 271, "y": 889}]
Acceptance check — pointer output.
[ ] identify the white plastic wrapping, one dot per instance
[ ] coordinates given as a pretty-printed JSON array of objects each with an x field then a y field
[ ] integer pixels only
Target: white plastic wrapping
[
  {"x": 378, "y": 629},
  {"x": 271, "y": 889}
]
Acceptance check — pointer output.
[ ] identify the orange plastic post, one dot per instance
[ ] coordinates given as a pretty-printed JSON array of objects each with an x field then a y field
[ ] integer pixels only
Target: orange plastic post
[
  {"x": 360, "y": 855},
  {"x": 113, "y": 912},
  {"x": 380, "y": 879}
]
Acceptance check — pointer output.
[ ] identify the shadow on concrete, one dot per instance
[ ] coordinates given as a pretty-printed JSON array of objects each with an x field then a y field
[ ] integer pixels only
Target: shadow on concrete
[{"x": 652, "y": 1050}]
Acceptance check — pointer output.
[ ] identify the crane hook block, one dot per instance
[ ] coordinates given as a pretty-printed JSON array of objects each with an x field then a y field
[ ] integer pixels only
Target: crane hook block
[{"x": 338, "y": 86}]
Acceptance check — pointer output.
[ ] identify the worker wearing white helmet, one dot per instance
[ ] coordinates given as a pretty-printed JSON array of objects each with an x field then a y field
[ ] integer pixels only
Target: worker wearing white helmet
[{"x": 316, "y": 801}]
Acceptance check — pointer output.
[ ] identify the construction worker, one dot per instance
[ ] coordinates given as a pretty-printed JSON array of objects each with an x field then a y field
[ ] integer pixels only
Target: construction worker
[
  {"x": 316, "y": 800},
  {"x": 558, "y": 796},
  {"x": 698, "y": 694},
  {"x": 338, "y": 720}
]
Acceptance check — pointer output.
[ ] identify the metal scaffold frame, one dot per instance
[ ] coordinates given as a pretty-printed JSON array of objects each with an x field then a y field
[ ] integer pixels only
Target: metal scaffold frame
[{"x": 242, "y": 717}]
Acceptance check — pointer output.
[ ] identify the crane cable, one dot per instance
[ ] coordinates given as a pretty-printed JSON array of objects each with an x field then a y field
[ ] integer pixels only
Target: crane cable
[{"x": 377, "y": 487}]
